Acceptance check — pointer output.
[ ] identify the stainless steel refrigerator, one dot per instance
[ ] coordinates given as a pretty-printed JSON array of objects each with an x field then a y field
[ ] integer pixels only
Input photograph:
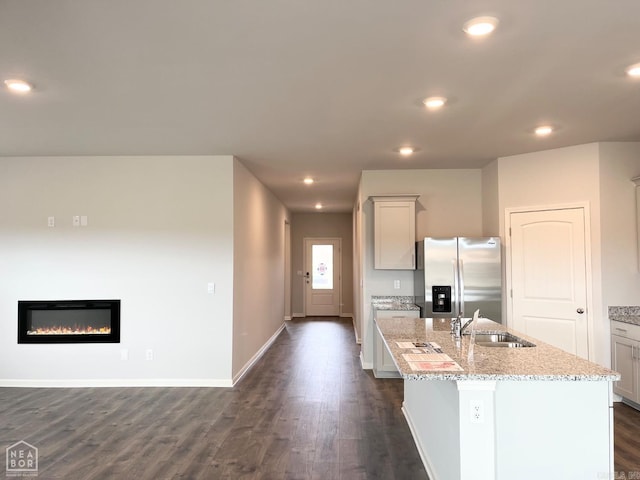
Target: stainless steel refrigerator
[{"x": 459, "y": 275}]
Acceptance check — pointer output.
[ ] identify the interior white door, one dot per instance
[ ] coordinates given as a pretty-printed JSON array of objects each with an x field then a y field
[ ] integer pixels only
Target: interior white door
[
  {"x": 548, "y": 275},
  {"x": 322, "y": 276}
]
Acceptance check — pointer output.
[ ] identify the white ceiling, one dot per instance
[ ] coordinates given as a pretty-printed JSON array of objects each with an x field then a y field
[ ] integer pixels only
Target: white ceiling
[{"x": 320, "y": 87}]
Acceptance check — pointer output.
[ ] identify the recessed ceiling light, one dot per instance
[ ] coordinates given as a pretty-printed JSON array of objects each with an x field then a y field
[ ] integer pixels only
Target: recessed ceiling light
[
  {"x": 308, "y": 181},
  {"x": 543, "y": 130},
  {"x": 16, "y": 85},
  {"x": 318, "y": 206},
  {"x": 406, "y": 151},
  {"x": 634, "y": 70},
  {"x": 434, "y": 103},
  {"x": 480, "y": 26}
]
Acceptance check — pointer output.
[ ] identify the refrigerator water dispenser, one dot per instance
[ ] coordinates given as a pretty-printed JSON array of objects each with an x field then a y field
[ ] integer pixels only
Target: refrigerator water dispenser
[{"x": 441, "y": 295}]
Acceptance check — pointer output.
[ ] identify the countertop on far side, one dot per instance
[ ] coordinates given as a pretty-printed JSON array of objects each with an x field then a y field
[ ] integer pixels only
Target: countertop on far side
[
  {"x": 390, "y": 302},
  {"x": 629, "y": 314}
]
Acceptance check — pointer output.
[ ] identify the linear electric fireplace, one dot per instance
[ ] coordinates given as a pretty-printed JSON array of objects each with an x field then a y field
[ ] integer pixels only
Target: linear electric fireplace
[{"x": 69, "y": 321}]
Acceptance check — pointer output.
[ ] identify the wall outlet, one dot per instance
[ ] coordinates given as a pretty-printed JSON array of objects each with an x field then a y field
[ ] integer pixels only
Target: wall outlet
[
  {"x": 396, "y": 284},
  {"x": 149, "y": 354},
  {"x": 84, "y": 220},
  {"x": 476, "y": 411},
  {"x": 211, "y": 287},
  {"x": 51, "y": 221},
  {"x": 75, "y": 220}
]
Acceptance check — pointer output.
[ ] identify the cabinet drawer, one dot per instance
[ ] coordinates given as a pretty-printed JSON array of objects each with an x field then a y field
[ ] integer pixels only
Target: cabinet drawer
[
  {"x": 626, "y": 330},
  {"x": 397, "y": 313}
]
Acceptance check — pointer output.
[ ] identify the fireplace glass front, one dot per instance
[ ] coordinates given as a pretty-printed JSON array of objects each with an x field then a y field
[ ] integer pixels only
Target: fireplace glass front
[{"x": 69, "y": 321}]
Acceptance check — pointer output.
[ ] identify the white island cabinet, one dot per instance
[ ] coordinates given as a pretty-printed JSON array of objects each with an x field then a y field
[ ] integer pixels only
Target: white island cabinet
[
  {"x": 625, "y": 358},
  {"x": 383, "y": 364},
  {"x": 506, "y": 413}
]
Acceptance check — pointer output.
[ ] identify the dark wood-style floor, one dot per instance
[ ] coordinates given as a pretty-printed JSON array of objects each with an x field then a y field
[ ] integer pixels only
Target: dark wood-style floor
[
  {"x": 306, "y": 411},
  {"x": 626, "y": 428}
]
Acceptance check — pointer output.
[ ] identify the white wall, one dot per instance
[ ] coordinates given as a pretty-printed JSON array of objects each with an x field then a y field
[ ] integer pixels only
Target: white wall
[
  {"x": 449, "y": 205},
  {"x": 619, "y": 163},
  {"x": 160, "y": 229},
  {"x": 259, "y": 265},
  {"x": 490, "y": 200}
]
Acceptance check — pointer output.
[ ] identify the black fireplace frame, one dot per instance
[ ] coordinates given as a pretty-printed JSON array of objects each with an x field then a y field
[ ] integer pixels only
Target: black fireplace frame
[{"x": 27, "y": 306}]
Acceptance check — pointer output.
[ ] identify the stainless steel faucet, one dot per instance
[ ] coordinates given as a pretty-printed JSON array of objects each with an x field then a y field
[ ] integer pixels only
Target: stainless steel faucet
[
  {"x": 457, "y": 329},
  {"x": 456, "y": 326},
  {"x": 463, "y": 328}
]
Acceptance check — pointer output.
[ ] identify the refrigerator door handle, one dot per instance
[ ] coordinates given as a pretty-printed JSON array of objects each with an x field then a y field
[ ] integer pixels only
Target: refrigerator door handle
[
  {"x": 456, "y": 292},
  {"x": 461, "y": 281}
]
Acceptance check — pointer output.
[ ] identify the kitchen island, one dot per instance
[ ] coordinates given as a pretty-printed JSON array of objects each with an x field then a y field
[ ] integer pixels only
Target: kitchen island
[{"x": 504, "y": 413}]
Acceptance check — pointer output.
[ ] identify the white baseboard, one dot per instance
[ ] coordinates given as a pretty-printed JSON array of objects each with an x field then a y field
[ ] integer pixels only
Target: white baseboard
[
  {"x": 141, "y": 382},
  {"x": 423, "y": 454},
  {"x": 297, "y": 315},
  {"x": 356, "y": 332},
  {"x": 256, "y": 357},
  {"x": 287, "y": 318},
  {"x": 346, "y": 315},
  {"x": 382, "y": 374},
  {"x": 365, "y": 365},
  {"x": 116, "y": 382}
]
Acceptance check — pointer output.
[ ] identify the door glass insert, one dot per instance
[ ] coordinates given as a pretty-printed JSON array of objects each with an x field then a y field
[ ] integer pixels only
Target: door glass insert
[{"x": 322, "y": 267}]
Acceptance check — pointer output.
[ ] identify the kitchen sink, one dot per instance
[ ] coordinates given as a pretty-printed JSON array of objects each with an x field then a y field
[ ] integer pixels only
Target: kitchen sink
[{"x": 502, "y": 339}]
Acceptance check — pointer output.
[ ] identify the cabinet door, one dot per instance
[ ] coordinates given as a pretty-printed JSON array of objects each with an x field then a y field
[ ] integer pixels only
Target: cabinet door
[
  {"x": 384, "y": 366},
  {"x": 395, "y": 235},
  {"x": 623, "y": 352}
]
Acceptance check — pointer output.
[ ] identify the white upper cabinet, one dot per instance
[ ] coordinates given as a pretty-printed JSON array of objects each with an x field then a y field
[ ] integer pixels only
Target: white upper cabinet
[{"x": 394, "y": 232}]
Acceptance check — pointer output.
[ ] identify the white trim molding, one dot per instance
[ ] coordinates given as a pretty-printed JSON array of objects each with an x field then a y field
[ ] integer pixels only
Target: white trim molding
[
  {"x": 116, "y": 382},
  {"x": 256, "y": 357}
]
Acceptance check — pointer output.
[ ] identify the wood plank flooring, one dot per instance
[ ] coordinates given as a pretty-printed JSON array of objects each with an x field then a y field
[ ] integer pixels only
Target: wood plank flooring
[
  {"x": 626, "y": 427},
  {"x": 306, "y": 411}
]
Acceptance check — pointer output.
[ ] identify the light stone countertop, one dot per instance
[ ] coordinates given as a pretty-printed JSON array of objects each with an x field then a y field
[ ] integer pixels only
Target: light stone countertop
[
  {"x": 542, "y": 362},
  {"x": 398, "y": 302},
  {"x": 630, "y": 314}
]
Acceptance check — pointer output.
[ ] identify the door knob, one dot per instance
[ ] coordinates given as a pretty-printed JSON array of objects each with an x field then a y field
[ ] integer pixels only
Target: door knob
[{"x": 580, "y": 310}]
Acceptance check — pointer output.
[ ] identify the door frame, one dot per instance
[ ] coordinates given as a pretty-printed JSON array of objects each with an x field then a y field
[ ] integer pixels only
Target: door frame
[
  {"x": 588, "y": 263},
  {"x": 287, "y": 270},
  {"x": 305, "y": 269}
]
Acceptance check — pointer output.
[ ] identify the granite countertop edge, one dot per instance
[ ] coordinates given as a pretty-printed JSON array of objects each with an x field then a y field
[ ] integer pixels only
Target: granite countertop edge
[
  {"x": 630, "y": 319},
  {"x": 545, "y": 362},
  {"x": 625, "y": 314},
  {"x": 521, "y": 378},
  {"x": 394, "y": 302}
]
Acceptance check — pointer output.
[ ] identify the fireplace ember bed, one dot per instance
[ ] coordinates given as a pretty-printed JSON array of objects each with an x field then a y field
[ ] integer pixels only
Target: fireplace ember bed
[{"x": 69, "y": 321}]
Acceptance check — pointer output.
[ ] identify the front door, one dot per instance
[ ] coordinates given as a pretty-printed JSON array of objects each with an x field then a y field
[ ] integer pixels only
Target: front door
[
  {"x": 322, "y": 276},
  {"x": 548, "y": 277}
]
